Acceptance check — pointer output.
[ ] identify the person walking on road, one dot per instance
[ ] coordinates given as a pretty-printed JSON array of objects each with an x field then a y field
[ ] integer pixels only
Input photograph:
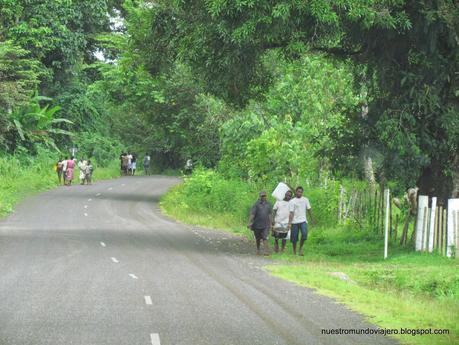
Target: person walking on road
[
  {"x": 59, "y": 171},
  {"x": 280, "y": 224},
  {"x": 260, "y": 222},
  {"x": 88, "y": 172},
  {"x": 64, "y": 170},
  {"x": 146, "y": 164},
  {"x": 133, "y": 164},
  {"x": 129, "y": 169},
  {"x": 82, "y": 164},
  {"x": 297, "y": 219},
  {"x": 124, "y": 160},
  {"x": 188, "y": 166},
  {"x": 69, "y": 172}
]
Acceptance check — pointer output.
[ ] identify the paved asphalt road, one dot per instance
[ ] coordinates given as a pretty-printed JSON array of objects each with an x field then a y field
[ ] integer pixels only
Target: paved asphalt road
[{"x": 100, "y": 265}]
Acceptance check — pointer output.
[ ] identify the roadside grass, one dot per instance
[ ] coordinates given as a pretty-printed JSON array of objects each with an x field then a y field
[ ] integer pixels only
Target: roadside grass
[
  {"x": 21, "y": 176},
  {"x": 173, "y": 205},
  {"x": 388, "y": 307},
  {"x": 408, "y": 290},
  {"x": 106, "y": 173}
]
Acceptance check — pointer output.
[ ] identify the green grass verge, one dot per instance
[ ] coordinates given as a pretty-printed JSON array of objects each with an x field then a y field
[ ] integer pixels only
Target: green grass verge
[
  {"x": 173, "y": 205},
  {"x": 23, "y": 176},
  {"x": 409, "y": 290},
  {"x": 385, "y": 305}
]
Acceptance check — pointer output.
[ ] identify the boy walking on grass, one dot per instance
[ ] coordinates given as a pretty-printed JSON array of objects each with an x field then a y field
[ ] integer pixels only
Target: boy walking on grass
[
  {"x": 298, "y": 207},
  {"x": 260, "y": 222}
]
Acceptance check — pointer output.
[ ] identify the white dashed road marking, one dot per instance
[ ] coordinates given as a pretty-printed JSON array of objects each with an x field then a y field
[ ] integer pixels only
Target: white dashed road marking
[
  {"x": 110, "y": 188},
  {"x": 154, "y": 337},
  {"x": 85, "y": 214},
  {"x": 85, "y": 206},
  {"x": 115, "y": 260},
  {"x": 133, "y": 276},
  {"x": 89, "y": 200},
  {"x": 98, "y": 194},
  {"x": 123, "y": 185},
  {"x": 103, "y": 244},
  {"x": 148, "y": 300}
]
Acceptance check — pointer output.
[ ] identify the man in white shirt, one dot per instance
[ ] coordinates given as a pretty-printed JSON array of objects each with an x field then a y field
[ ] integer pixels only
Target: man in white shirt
[
  {"x": 129, "y": 156},
  {"x": 280, "y": 224},
  {"x": 64, "y": 168},
  {"x": 146, "y": 163},
  {"x": 297, "y": 219},
  {"x": 82, "y": 164}
]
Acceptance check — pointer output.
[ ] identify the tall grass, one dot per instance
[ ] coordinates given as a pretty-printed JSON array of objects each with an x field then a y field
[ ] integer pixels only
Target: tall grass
[{"x": 21, "y": 175}]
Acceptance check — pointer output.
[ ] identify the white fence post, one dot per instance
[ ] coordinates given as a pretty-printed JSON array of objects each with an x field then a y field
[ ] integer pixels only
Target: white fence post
[
  {"x": 423, "y": 203},
  {"x": 457, "y": 234},
  {"x": 386, "y": 225},
  {"x": 453, "y": 207},
  {"x": 433, "y": 212},
  {"x": 341, "y": 198}
]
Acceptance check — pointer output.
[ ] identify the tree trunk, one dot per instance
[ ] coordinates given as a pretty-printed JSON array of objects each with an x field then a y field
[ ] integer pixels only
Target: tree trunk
[{"x": 367, "y": 161}]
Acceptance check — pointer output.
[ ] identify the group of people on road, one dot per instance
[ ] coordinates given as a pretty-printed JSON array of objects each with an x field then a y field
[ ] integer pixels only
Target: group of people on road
[
  {"x": 128, "y": 164},
  {"x": 287, "y": 217},
  {"x": 65, "y": 167}
]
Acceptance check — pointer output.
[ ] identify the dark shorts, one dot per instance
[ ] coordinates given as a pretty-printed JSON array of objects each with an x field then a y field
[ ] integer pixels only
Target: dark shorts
[
  {"x": 296, "y": 228},
  {"x": 279, "y": 235},
  {"x": 261, "y": 234}
]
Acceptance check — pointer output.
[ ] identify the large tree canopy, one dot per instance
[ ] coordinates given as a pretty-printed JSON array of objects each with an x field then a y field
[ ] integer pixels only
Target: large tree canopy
[
  {"x": 58, "y": 34},
  {"x": 45, "y": 46},
  {"x": 406, "y": 52},
  {"x": 224, "y": 40}
]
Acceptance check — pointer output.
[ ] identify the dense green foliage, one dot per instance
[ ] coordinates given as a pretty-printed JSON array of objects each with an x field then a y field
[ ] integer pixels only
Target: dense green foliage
[
  {"x": 299, "y": 128},
  {"x": 262, "y": 90},
  {"x": 403, "y": 56}
]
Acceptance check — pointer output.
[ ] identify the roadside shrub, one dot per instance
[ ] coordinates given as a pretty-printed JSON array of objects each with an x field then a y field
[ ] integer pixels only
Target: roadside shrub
[
  {"x": 97, "y": 147},
  {"x": 21, "y": 174},
  {"x": 208, "y": 191}
]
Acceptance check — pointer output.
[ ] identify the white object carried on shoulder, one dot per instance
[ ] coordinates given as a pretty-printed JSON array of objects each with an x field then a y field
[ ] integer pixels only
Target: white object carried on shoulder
[{"x": 279, "y": 192}]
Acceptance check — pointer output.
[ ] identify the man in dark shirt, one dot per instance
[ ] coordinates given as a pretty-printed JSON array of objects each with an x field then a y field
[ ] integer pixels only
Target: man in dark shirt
[{"x": 260, "y": 221}]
